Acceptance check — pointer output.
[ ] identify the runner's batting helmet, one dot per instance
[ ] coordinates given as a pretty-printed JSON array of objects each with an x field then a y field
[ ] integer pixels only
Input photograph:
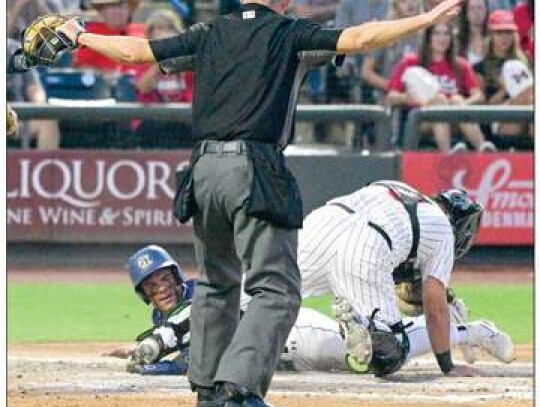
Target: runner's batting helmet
[
  {"x": 147, "y": 261},
  {"x": 465, "y": 215}
]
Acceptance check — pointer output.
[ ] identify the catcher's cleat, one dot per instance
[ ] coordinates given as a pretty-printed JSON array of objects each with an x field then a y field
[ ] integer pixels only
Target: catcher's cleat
[
  {"x": 459, "y": 314},
  {"x": 356, "y": 336},
  {"x": 495, "y": 342}
]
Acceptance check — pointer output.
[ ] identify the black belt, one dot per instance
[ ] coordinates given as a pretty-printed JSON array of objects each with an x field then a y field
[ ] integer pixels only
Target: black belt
[
  {"x": 237, "y": 147},
  {"x": 370, "y": 223}
]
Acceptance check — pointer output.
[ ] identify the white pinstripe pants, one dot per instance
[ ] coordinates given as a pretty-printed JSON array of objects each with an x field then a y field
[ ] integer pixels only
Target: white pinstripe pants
[{"x": 340, "y": 253}]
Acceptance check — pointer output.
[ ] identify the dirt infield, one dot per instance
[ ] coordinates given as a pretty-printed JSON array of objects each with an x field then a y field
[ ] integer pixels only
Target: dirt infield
[{"x": 75, "y": 375}]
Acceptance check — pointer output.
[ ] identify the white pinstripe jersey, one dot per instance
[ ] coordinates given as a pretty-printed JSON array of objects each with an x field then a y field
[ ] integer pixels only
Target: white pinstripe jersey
[{"x": 436, "y": 244}]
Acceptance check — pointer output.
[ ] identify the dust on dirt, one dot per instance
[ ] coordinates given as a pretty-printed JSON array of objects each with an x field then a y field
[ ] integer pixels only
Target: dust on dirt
[{"x": 75, "y": 375}]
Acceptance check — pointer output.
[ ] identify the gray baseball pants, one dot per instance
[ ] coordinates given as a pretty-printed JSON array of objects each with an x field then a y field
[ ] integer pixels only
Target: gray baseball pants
[{"x": 227, "y": 243}]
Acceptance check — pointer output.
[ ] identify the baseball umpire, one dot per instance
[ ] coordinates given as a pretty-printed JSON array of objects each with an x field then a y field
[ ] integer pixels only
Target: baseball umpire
[
  {"x": 355, "y": 245},
  {"x": 245, "y": 204}
]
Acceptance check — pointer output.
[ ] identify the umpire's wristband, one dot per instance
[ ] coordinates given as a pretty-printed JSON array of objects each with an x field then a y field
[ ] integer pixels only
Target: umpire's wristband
[{"x": 444, "y": 359}]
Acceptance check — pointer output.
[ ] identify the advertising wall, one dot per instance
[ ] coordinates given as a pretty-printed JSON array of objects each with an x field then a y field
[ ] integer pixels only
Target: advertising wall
[
  {"x": 126, "y": 197},
  {"x": 93, "y": 196},
  {"x": 502, "y": 182}
]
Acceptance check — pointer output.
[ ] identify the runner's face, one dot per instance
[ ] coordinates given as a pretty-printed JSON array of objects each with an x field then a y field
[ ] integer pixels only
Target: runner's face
[{"x": 162, "y": 289}]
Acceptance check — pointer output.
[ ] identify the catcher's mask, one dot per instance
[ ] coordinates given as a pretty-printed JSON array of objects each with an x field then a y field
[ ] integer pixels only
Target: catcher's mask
[
  {"x": 147, "y": 261},
  {"x": 41, "y": 44},
  {"x": 465, "y": 216}
]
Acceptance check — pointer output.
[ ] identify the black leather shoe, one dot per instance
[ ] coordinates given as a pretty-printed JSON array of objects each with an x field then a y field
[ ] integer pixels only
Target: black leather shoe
[{"x": 231, "y": 395}]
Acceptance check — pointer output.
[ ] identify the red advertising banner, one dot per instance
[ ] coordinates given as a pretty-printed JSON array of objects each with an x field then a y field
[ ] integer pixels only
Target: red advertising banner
[
  {"x": 93, "y": 196},
  {"x": 502, "y": 182}
]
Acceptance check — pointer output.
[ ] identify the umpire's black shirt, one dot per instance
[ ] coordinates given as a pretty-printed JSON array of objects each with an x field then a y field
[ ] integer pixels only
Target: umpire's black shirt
[{"x": 246, "y": 67}]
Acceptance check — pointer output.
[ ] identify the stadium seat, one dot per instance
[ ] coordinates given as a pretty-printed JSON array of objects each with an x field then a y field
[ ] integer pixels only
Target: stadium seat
[
  {"x": 69, "y": 83},
  {"x": 124, "y": 89}
]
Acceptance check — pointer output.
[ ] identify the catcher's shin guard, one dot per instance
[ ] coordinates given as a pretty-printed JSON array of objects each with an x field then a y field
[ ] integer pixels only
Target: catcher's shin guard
[{"x": 356, "y": 336}]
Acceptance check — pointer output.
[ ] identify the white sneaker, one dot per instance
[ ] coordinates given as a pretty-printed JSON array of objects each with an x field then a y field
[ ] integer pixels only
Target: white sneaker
[
  {"x": 487, "y": 147},
  {"x": 498, "y": 344},
  {"x": 460, "y": 147},
  {"x": 459, "y": 315}
]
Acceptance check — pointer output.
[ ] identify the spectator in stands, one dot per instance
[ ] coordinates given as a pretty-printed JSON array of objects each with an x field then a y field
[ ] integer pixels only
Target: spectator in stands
[
  {"x": 524, "y": 18},
  {"x": 352, "y": 12},
  {"x": 376, "y": 67},
  {"x": 115, "y": 19},
  {"x": 492, "y": 4},
  {"x": 503, "y": 46},
  {"x": 321, "y": 84},
  {"x": 21, "y": 12},
  {"x": 155, "y": 87},
  {"x": 456, "y": 82},
  {"x": 26, "y": 87},
  {"x": 473, "y": 30}
]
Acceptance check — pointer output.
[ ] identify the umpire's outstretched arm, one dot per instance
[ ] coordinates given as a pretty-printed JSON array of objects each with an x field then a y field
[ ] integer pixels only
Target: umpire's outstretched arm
[{"x": 360, "y": 38}]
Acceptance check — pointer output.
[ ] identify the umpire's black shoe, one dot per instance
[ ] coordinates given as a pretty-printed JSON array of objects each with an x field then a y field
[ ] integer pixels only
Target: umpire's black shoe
[{"x": 228, "y": 395}]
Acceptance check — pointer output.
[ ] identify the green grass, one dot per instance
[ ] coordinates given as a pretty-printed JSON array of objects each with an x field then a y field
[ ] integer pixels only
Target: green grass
[
  {"x": 74, "y": 312},
  {"x": 111, "y": 312}
]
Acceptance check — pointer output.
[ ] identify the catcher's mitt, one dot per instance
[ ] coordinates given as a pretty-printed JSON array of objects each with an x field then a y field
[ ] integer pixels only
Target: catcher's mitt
[
  {"x": 409, "y": 297},
  {"x": 42, "y": 44},
  {"x": 12, "y": 122}
]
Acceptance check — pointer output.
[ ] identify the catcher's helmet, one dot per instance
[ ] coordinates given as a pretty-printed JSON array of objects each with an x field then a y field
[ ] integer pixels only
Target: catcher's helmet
[
  {"x": 147, "y": 261},
  {"x": 465, "y": 215}
]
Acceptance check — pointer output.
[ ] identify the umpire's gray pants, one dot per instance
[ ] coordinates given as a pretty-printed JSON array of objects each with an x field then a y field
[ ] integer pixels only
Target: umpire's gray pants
[{"x": 227, "y": 243}]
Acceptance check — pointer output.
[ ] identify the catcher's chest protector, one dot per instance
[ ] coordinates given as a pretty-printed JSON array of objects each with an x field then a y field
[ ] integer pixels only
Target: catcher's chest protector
[{"x": 409, "y": 198}]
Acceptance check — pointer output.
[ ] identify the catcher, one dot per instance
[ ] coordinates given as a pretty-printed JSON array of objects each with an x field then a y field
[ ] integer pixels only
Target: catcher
[{"x": 356, "y": 245}]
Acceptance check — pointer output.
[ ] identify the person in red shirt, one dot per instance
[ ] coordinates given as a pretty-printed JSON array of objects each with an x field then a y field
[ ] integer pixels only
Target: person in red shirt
[
  {"x": 153, "y": 86},
  {"x": 115, "y": 19},
  {"x": 457, "y": 86},
  {"x": 524, "y": 17},
  {"x": 502, "y": 48}
]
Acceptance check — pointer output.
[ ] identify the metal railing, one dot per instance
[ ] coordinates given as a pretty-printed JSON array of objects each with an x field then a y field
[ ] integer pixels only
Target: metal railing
[
  {"x": 95, "y": 111},
  {"x": 460, "y": 114}
]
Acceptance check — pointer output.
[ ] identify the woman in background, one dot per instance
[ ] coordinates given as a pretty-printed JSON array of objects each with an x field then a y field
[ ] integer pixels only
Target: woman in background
[
  {"x": 503, "y": 46},
  {"x": 472, "y": 32},
  {"x": 457, "y": 85}
]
